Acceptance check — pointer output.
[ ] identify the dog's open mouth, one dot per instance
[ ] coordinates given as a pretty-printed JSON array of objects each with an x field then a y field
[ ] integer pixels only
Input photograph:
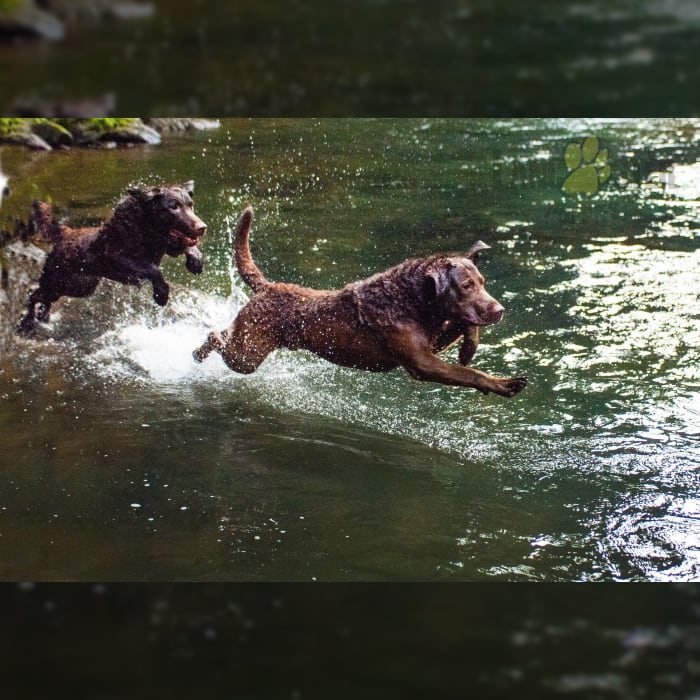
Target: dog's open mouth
[
  {"x": 185, "y": 240},
  {"x": 488, "y": 318}
]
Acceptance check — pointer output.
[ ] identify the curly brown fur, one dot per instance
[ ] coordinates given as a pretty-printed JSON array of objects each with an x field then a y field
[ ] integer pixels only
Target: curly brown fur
[
  {"x": 146, "y": 225},
  {"x": 401, "y": 317}
]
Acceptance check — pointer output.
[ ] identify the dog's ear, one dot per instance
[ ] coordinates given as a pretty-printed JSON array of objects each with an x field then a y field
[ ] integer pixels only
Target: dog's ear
[
  {"x": 144, "y": 194},
  {"x": 473, "y": 253},
  {"x": 189, "y": 187},
  {"x": 437, "y": 282}
]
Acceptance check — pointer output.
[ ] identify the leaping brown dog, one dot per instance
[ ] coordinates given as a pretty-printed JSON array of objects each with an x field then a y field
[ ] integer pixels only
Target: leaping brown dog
[
  {"x": 147, "y": 224},
  {"x": 401, "y": 317}
]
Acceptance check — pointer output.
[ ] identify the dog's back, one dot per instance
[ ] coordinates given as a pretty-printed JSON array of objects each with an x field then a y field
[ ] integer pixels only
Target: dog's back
[{"x": 45, "y": 223}]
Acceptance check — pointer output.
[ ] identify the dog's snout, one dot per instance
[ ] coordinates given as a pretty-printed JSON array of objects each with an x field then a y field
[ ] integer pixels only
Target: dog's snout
[
  {"x": 198, "y": 227},
  {"x": 486, "y": 314},
  {"x": 497, "y": 312}
]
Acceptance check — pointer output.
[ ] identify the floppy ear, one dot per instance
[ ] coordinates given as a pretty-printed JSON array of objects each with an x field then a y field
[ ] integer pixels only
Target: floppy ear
[
  {"x": 189, "y": 187},
  {"x": 473, "y": 253},
  {"x": 437, "y": 282},
  {"x": 144, "y": 194}
]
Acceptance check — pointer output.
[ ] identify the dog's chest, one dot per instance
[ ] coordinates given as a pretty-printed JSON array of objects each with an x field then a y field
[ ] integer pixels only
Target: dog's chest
[{"x": 447, "y": 334}]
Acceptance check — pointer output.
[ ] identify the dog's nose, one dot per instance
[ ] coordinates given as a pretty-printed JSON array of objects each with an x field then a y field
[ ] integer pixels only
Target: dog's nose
[
  {"x": 201, "y": 228},
  {"x": 497, "y": 313}
]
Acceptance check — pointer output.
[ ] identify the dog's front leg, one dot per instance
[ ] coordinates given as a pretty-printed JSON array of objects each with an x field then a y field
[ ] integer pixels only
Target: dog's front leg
[
  {"x": 193, "y": 260},
  {"x": 133, "y": 274},
  {"x": 420, "y": 362},
  {"x": 469, "y": 345},
  {"x": 433, "y": 369},
  {"x": 161, "y": 289},
  {"x": 128, "y": 272}
]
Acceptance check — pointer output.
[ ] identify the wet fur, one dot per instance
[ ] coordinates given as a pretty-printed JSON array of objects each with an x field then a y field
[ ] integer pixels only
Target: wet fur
[
  {"x": 404, "y": 317},
  {"x": 128, "y": 248}
]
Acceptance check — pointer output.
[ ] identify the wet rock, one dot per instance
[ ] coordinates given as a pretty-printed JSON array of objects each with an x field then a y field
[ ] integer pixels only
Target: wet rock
[
  {"x": 20, "y": 267},
  {"x": 92, "y": 131},
  {"x": 45, "y": 134},
  {"x": 4, "y": 186},
  {"x": 44, "y": 19},
  {"x": 26, "y": 19},
  {"x": 171, "y": 124},
  {"x": 53, "y": 133},
  {"x": 99, "y": 9},
  {"x": 25, "y": 138}
]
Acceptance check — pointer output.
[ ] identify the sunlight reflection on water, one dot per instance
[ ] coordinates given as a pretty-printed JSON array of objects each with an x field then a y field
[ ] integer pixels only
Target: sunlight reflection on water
[{"x": 590, "y": 473}]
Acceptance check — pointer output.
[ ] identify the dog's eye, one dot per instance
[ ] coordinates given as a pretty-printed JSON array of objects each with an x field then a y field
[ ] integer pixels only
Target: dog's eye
[
  {"x": 469, "y": 284},
  {"x": 174, "y": 205}
]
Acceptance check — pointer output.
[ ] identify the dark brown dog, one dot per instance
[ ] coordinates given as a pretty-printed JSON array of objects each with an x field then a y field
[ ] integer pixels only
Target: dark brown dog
[
  {"x": 147, "y": 224},
  {"x": 401, "y": 317}
]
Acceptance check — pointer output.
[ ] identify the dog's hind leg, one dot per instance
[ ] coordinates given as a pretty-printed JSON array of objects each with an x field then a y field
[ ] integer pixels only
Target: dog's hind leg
[
  {"x": 28, "y": 322},
  {"x": 245, "y": 357},
  {"x": 214, "y": 342},
  {"x": 242, "y": 347}
]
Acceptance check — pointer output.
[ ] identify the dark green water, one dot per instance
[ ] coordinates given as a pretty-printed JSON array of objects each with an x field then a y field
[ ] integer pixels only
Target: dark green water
[
  {"x": 123, "y": 460},
  {"x": 347, "y": 641},
  {"x": 371, "y": 57}
]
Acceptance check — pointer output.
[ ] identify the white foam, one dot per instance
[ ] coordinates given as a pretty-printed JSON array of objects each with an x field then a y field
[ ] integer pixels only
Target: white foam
[
  {"x": 160, "y": 350},
  {"x": 155, "y": 347}
]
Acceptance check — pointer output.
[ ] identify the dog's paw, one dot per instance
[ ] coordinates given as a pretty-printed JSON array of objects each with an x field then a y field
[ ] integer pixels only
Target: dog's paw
[
  {"x": 214, "y": 342},
  {"x": 511, "y": 387},
  {"x": 26, "y": 326},
  {"x": 588, "y": 166},
  {"x": 201, "y": 353},
  {"x": 42, "y": 313},
  {"x": 161, "y": 294},
  {"x": 205, "y": 349},
  {"x": 195, "y": 264}
]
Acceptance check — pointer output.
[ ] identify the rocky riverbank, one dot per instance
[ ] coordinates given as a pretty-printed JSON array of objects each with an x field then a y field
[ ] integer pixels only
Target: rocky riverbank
[
  {"x": 43, "y": 133},
  {"x": 47, "y": 19}
]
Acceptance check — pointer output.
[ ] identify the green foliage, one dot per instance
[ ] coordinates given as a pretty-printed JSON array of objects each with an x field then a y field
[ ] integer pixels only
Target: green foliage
[
  {"x": 100, "y": 125},
  {"x": 12, "y": 125},
  {"x": 7, "y": 6}
]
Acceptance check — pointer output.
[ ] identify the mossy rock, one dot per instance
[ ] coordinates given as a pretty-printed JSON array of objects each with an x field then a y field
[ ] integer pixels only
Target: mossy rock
[
  {"x": 12, "y": 125},
  {"x": 94, "y": 131},
  {"x": 52, "y": 132},
  {"x": 46, "y": 133},
  {"x": 19, "y": 132}
]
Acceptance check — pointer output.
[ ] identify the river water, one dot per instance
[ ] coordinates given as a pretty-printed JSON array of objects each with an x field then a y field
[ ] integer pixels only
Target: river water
[
  {"x": 406, "y": 58},
  {"x": 124, "y": 460}
]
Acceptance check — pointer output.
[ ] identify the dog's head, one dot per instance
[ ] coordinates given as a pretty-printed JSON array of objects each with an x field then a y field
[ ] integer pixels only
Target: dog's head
[
  {"x": 172, "y": 208},
  {"x": 457, "y": 286}
]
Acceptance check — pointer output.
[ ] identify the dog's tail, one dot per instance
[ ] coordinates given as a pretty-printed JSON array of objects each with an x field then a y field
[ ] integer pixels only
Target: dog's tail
[
  {"x": 44, "y": 222},
  {"x": 241, "y": 252}
]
